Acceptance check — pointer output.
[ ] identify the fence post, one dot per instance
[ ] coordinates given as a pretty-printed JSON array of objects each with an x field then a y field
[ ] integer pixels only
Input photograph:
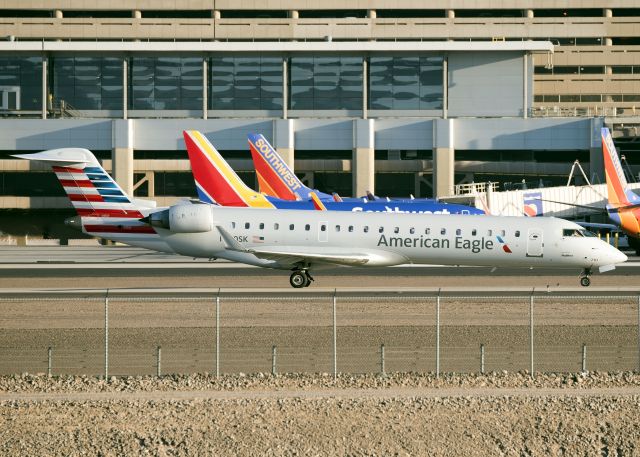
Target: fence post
[
  {"x": 274, "y": 355},
  {"x": 49, "y": 361},
  {"x": 638, "y": 333},
  {"x": 158, "y": 361},
  {"x": 106, "y": 336},
  {"x": 438, "y": 334},
  {"x": 584, "y": 357},
  {"x": 482, "y": 358},
  {"x": 335, "y": 348},
  {"x": 218, "y": 334},
  {"x": 382, "y": 370},
  {"x": 531, "y": 333}
]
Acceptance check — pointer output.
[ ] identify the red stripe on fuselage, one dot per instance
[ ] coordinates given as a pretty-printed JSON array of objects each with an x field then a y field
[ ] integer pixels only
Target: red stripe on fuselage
[{"x": 107, "y": 228}]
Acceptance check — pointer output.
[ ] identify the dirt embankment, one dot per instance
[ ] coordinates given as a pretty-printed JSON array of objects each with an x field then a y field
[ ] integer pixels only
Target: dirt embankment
[{"x": 400, "y": 414}]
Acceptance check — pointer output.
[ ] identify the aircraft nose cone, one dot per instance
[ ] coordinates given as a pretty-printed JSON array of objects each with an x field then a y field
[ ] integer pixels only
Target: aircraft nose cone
[{"x": 619, "y": 257}]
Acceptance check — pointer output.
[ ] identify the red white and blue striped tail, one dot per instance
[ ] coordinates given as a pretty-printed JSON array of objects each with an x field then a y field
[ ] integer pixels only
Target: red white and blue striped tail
[{"x": 104, "y": 208}]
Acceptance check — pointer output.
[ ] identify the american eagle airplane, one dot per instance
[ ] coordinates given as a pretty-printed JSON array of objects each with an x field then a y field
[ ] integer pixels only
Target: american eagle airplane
[
  {"x": 216, "y": 182},
  {"x": 300, "y": 241}
]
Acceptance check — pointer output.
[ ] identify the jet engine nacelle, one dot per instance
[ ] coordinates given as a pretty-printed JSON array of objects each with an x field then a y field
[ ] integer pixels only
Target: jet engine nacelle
[{"x": 184, "y": 219}]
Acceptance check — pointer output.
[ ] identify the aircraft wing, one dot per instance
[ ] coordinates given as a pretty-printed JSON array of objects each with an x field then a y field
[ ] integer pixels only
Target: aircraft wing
[
  {"x": 593, "y": 208},
  {"x": 302, "y": 255}
]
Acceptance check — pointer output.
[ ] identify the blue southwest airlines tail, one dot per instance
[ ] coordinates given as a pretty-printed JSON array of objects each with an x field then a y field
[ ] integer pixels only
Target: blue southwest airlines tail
[
  {"x": 623, "y": 204},
  {"x": 217, "y": 182}
]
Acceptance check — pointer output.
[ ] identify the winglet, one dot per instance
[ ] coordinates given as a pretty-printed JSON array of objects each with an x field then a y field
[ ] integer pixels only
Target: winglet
[{"x": 317, "y": 204}]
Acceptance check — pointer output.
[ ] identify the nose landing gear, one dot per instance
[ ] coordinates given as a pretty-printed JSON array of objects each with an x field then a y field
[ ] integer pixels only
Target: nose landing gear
[
  {"x": 584, "y": 277},
  {"x": 300, "y": 278}
]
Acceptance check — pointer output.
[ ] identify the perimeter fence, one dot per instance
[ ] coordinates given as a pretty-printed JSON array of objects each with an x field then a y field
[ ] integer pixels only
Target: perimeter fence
[{"x": 339, "y": 332}]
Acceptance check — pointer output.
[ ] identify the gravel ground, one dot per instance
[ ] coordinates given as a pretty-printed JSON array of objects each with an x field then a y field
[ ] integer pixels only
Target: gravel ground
[{"x": 353, "y": 415}]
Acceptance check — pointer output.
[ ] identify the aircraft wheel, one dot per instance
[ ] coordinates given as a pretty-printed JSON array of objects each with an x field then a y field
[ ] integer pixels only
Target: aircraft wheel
[
  {"x": 585, "y": 282},
  {"x": 298, "y": 279}
]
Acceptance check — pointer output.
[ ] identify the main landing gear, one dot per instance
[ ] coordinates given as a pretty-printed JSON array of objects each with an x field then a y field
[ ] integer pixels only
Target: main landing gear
[
  {"x": 584, "y": 277},
  {"x": 300, "y": 278}
]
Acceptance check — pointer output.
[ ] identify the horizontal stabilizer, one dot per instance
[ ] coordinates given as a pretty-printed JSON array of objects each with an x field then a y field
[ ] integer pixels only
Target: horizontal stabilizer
[{"x": 61, "y": 157}]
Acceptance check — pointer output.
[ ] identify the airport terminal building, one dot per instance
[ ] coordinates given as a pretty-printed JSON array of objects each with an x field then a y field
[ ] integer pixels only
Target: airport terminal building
[{"x": 393, "y": 97}]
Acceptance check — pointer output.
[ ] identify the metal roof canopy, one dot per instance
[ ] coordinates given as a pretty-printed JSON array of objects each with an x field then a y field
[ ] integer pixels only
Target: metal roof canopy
[{"x": 276, "y": 46}]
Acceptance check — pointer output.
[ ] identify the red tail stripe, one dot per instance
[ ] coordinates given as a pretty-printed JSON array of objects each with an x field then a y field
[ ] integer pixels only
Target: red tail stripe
[
  {"x": 85, "y": 198},
  {"x": 74, "y": 183},
  {"x": 67, "y": 170},
  {"x": 101, "y": 228},
  {"x": 88, "y": 212}
]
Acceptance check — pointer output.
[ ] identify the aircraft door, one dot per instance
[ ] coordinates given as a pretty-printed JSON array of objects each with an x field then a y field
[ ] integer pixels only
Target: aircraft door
[
  {"x": 535, "y": 243},
  {"x": 323, "y": 232}
]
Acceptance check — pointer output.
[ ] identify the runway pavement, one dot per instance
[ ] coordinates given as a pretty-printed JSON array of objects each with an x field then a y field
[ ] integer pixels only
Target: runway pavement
[{"x": 124, "y": 267}]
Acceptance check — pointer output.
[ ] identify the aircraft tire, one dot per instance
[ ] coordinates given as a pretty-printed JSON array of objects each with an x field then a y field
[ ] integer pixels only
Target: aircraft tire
[
  {"x": 585, "y": 281},
  {"x": 298, "y": 280}
]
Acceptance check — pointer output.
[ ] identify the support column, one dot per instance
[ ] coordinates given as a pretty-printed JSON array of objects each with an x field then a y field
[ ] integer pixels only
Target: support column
[
  {"x": 58, "y": 14},
  {"x": 365, "y": 84},
  {"x": 363, "y": 159},
  {"x": 285, "y": 87},
  {"x": 529, "y": 14},
  {"x": 372, "y": 14},
  {"x": 125, "y": 88},
  {"x": 205, "y": 87},
  {"x": 596, "y": 159},
  {"x": 443, "y": 158},
  {"x": 122, "y": 154},
  {"x": 451, "y": 14},
  {"x": 283, "y": 140},
  {"x": 293, "y": 14},
  {"x": 525, "y": 85},
  {"x": 45, "y": 92},
  {"x": 137, "y": 14},
  {"x": 445, "y": 86},
  {"x": 216, "y": 14}
]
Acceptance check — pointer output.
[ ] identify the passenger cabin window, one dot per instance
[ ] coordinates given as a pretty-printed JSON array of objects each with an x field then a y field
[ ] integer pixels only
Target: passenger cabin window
[
  {"x": 427, "y": 231},
  {"x": 351, "y": 228},
  {"x": 396, "y": 230},
  {"x": 443, "y": 231},
  {"x": 291, "y": 226},
  {"x": 337, "y": 228},
  {"x": 503, "y": 232},
  {"x": 276, "y": 226},
  {"x": 381, "y": 229},
  {"x": 365, "y": 228},
  {"x": 474, "y": 232},
  {"x": 307, "y": 227},
  {"x": 517, "y": 233},
  {"x": 261, "y": 226},
  {"x": 458, "y": 232},
  {"x": 247, "y": 225},
  {"x": 489, "y": 232},
  {"x": 233, "y": 225},
  {"x": 577, "y": 233},
  {"x": 323, "y": 228},
  {"x": 412, "y": 230}
]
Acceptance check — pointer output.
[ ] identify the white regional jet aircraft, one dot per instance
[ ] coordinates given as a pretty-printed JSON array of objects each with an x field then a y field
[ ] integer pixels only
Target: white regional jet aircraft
[{"x": 303, "y": 240}]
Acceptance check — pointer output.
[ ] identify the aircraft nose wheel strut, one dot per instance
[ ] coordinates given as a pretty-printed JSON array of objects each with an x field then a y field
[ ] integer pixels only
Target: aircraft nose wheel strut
[
  {"x": 300, "y": 278},
  {"x": 584, "y": 277}
]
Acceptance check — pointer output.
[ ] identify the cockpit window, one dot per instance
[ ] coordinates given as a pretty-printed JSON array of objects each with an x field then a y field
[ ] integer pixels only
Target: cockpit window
[{"x": 580, "y": 233}]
